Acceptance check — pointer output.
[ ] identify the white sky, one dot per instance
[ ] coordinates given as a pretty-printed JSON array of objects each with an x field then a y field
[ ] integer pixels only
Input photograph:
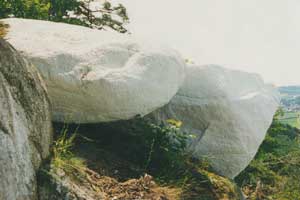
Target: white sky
[{"x": 261, "y": 36}]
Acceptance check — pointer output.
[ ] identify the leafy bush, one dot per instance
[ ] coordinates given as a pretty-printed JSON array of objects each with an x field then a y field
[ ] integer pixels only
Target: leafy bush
[
  {"x": 36, "y": 9},
  {"x": 76, "y": 12},
  {"x": 158, "y": 149},
  {"x": 166, "y": 146}
]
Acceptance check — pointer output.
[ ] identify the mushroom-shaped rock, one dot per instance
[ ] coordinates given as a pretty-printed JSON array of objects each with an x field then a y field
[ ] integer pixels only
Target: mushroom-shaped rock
[
  {"x": 25, "y": 125},
  {"x": 228, "y": 111},
  {"x": 97, "y": 76}
]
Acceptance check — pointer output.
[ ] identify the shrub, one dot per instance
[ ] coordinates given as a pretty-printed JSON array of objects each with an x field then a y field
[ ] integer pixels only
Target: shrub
[
  {"x": 159, "y": 149},
  {"x": 166, "y": 146},
  {"x": 34, "y": 9},
  {"x": 76, "y": 12}
]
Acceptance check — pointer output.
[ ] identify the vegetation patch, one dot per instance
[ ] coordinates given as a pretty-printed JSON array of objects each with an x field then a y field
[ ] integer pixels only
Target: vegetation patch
[
  {"x": 64, "y": 161},
  {"x": 291, "y": 118},
  {"x": 130, "y": 160},
  {"x": 76, "y": 12},
  {"x": 68, "y": 170},
  {"x": 223, "y": 188},
  {"x": 274, "y": 173}
]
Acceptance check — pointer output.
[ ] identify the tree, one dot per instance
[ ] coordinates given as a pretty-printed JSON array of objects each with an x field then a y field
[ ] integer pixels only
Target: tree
[
  {"x": 80, "y": 12},
  {"x": 36, "y": 9}
]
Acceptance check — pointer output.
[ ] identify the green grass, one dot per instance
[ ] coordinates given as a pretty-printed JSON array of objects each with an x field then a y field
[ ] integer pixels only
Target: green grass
[
  {"x": 291, "y": 118},
  {"x": 63, "y": 157}
]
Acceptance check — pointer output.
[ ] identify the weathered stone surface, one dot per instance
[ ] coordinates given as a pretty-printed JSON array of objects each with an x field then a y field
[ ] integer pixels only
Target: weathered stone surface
[
  {"x": 97, "y": 76},
  {"x": 229, "y": 112},
  {"x": 25, "y": 127}
]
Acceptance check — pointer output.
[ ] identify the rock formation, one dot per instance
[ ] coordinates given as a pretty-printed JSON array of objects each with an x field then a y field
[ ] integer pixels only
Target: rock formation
[
  {"x": 25, "y": 127},
  {"x": 97, "y": 76},
  {"x": 228, "y": 111}
]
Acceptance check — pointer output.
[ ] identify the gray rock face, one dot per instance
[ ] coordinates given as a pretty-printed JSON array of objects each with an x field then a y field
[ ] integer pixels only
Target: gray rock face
[
  {"x": 229, "y": 112},
  {"x": 25, "y": 126}
]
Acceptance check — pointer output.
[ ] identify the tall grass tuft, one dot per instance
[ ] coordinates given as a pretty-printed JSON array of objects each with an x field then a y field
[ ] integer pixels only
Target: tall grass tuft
[{"x": 63, "y": 158}]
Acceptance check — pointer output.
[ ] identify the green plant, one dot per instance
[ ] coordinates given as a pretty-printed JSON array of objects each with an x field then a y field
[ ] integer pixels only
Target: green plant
[
  {"x": 274, "y": 171},
  {"x": 36, "y": 9},
  {"x": 77, "y": 12},
  {"x": 166, "y": 145},
  {"x": 81, "y": 13},
  {"x": 161, "y": 148},
  {"x": 63, "y": 158}
]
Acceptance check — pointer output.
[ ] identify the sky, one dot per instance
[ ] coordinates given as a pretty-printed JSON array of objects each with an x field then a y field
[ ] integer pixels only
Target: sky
[{"x": 261, "y": 36}]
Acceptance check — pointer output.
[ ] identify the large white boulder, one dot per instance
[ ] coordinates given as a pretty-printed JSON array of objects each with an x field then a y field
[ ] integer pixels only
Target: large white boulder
[
  {"x": 25, "y": 125},
  {"x": 97, "y": 76},
  {"x": 228, "y": 111}
]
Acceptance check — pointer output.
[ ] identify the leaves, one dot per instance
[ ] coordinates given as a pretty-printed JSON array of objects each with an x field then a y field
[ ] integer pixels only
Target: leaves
[{"x": 77, "y": 12}]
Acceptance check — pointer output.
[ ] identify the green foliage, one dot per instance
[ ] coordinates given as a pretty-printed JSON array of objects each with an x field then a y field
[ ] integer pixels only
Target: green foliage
[
  {"x": 290, "y": 118},
  {"x": 80, "y": 13},
  {"x": 274, "y": 172},
  {"x": 279, "y": 113},
  {"x": 76, "y": 12},
  {"x": 63, "y": 158},
  {"x": 4, "y": 8},
  {"x": 36, "y": 9},
  {"x": 165, "y": 144},
  {"x": 159, "y": 149}
]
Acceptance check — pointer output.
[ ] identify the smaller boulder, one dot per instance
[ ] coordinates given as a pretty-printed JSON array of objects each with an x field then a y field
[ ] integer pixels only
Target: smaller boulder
[{"x": 228, "y": 111}]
